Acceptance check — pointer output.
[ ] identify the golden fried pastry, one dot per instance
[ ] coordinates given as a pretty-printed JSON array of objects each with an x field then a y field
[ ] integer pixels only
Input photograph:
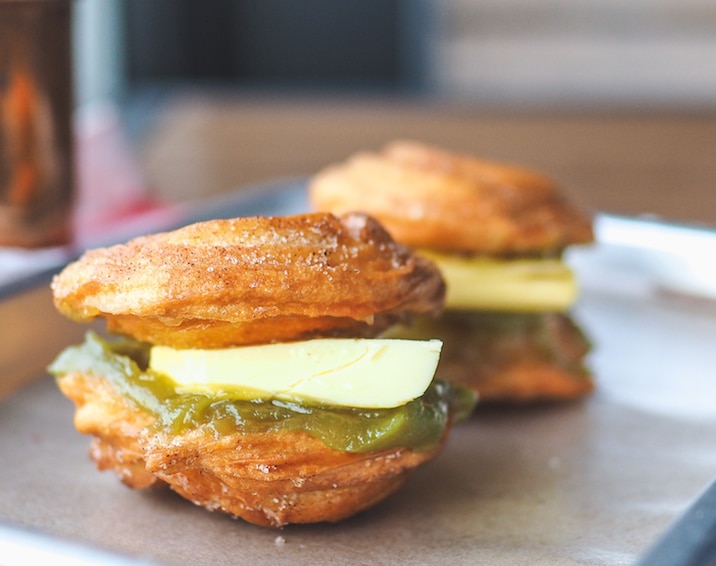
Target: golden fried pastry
[
  {"x": 267, "y": 479},
  {"x": 497, "y": 232},
  {"x": 430, "y": 198},
  {"x": 230, "y": 385},
  {"x": 251, "y": 280}
]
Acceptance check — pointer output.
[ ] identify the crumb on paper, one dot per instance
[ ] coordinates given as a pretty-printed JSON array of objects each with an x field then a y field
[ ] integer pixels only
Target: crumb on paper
[{"x": 279, "y": 541}]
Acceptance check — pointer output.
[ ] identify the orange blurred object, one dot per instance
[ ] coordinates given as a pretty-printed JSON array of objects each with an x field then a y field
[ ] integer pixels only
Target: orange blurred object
[{"x": 36, "y": 141}]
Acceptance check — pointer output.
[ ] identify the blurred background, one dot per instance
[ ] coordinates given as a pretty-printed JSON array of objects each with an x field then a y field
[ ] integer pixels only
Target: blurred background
[
  {"x": 614, "y": 99},
  {"x": 497, "y": 52}
]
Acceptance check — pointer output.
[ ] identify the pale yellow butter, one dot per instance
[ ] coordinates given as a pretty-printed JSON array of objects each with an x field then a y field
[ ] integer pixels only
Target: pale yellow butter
[
  {"x": 528, "y": 285},
  {"x": 366, "y": 373}
]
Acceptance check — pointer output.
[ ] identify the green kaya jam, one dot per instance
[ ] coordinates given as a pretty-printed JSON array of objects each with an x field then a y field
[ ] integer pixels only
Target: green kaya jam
[{"x": 418, "y": 425}]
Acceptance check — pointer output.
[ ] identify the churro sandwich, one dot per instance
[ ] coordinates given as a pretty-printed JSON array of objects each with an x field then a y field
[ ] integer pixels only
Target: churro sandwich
[
  {"x": 498, "y": 233},
  {"x": 245, "y": 364}
]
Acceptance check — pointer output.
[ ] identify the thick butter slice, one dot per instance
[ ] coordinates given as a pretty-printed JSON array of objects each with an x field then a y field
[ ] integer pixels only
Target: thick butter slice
[
  {"x": 366, "y": 373},
  {"x": 525, "y": 285}
]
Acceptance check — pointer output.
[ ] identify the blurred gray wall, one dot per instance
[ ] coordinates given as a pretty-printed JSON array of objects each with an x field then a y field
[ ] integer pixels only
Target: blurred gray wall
[{"x": 613, "y": 52}]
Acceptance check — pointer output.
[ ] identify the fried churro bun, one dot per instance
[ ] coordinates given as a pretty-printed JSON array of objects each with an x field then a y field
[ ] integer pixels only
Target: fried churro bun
[
  {"x": 464, "y": 208},
  {"x": 248, "y": 281},
  {"x": 430, "y": 198},
  {"x": 251, "y": 280},
  {"x": 266, "y": 479}
]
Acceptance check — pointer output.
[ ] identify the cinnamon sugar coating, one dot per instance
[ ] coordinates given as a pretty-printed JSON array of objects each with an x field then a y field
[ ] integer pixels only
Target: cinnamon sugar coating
[
  {"x": 430, "y": 198},
  {"x": 251, "y": 280}
]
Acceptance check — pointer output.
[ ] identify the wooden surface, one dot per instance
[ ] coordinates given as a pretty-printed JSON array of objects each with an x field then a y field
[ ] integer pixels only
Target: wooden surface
[{"x": 630, "y": 164}]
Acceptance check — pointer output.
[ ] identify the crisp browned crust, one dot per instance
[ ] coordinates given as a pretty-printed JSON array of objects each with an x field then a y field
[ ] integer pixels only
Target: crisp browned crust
[
  {"x": 430, "y": 198},
  {"x": 251, "y": 280},
  {"x": 115, "y": 424},
  {"x": 266, "y": 479}
]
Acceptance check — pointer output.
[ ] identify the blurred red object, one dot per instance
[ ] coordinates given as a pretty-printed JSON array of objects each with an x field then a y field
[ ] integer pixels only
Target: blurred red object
[{"x": 112, "y": 193}]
